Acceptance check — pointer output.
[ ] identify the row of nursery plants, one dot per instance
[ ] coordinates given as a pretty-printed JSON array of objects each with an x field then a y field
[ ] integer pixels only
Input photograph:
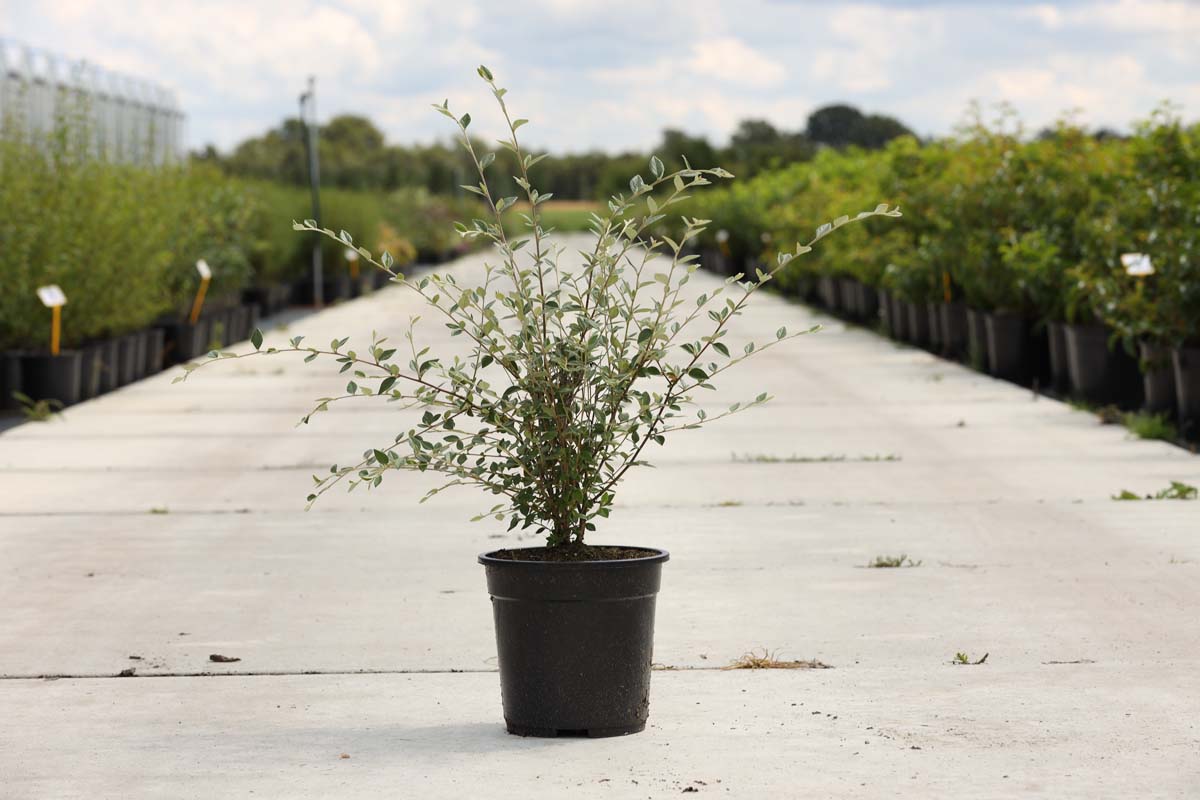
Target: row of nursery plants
[
  {"x": 122, "y": 242},
  {"x": 1069, "y": 262}
]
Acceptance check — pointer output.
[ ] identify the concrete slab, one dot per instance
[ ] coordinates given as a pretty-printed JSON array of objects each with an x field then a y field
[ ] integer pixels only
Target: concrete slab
[
  {"x": 163, "y": 522},
  {"x": 1061, "y": 731}
]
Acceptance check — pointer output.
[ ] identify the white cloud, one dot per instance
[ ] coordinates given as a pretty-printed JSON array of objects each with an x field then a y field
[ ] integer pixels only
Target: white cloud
[
  {"x": 613, "y": 75},
  {"x": 732, "y": 60}
]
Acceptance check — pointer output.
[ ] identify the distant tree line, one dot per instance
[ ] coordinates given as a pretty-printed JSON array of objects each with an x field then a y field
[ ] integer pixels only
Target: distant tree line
[{"x": 355, "y": 155}]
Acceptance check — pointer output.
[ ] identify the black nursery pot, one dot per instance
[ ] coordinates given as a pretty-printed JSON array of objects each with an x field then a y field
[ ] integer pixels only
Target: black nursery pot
[
  {"x": 155, "y": 346},
  {"x": 1100, "y": 374},
  {"x": 935, "y": 327},
  {"x": 899, "y": 312},
  {"x": 1008, "y": 346},
  {"x": 884, "y": 299},
  {"x": 47, "y": 377},
  {"x": 848, "y": 297},
  {"x": 953, "y": 329},
  {"x": 131, "y": 358},
  {"x": 575, "y": 641},
  {"x": 10, "y": 379},
  {"x": 868, "y": 303},
  {"x": 185, "y": 341},
  {"x": 977, "y": 345},
  {"x": 918, "y": 323},
  {"x": 1158, "y": 378},
  {"x": 1060, "y": 363},
  {"x": 828, "y": 292},
  {"x": 1187, "y": 386}
]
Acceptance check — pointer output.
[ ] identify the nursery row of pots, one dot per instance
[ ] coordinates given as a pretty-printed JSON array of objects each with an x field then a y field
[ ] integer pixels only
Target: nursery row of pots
[
  {"x": 1080, "y": 361},
  {"x": 106, "y": 364}
]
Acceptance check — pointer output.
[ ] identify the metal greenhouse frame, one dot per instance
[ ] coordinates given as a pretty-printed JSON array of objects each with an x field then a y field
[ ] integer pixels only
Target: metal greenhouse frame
[{"x": 130, "y": 120}]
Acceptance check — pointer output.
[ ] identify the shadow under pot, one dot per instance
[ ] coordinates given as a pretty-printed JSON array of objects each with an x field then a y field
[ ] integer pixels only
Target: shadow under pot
[
  {"x": 1158, "y": 378},
  {"x": 954, "y": 329},
  {"x": 977, "y": 340},
  {"x": 1186, "y": 361},
  {"x": 574, "y": 642},
  {"x": 1100, "y": 373},
  {"x": 47, "y": 377}
]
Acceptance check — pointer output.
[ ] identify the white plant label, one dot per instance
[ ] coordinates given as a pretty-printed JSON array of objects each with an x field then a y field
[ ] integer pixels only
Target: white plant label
[
  {"x": 203, "y": 268},
  {"x": 351, "y": 255},
  {"x": 1137, "y": 264},
  {"x": 51, "y": 296}
]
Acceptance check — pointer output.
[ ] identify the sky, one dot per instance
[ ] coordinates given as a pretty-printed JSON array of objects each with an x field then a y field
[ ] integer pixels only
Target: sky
[{"x": 611, "y": 74}]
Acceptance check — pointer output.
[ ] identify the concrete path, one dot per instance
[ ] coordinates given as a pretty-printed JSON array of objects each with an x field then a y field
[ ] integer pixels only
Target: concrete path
[{"x": 163, "y": 523}]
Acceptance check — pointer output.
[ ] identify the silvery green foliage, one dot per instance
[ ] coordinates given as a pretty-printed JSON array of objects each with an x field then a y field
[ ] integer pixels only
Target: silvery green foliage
[{"x": 571, "y": 372}]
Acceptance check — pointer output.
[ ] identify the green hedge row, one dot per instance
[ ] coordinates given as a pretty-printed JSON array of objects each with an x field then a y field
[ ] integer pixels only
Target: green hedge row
[
  {"x": 996, "y": 220},
  {"x": 122, "y": 240}
]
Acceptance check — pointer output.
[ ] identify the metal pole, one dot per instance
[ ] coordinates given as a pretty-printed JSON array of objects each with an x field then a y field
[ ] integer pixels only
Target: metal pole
[{"x": 308, "y": 117}]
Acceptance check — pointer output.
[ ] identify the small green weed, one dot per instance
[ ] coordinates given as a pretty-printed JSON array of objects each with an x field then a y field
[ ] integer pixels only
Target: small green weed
[
  {"x": 1176, "y": 491},
  {"x": 37, "y": 410},
  {"x": 891, "y": 562},
  {"x": 160, "y": 510},
  {"x": 962, "y": 659},
  {"x": 1145, "y": 425}
]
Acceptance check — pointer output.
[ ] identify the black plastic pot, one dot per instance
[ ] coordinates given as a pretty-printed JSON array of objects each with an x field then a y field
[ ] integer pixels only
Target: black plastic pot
[
  {"x": 574, "y": 641},
  {"x": 1100, "y": 374},
  {"x": 1008, "y": 346},
  {"x": 828, "y": 292},
  {"x": 1158, "y": 378},
  {"x": 1186, "y": 361},
  {"x": 92, "y": 367},
  {"x": 333, "y": 288},
  {"x": 868, "y": 303},
  {"x": 10, "y": 379},
  {"x": 127, "y": 359},
  {"x": 848, "y": 297},
  {"x": 918, "y": 323},
  {"x": 1060, "y": 362},
  {"x": 977, "y": 346},
  {"x": 954, "y": 329},
  {"x": 155, "y": 347},
  {"x": 899, "y": 313},
  {"x": 935, "y": 327},
  {"x": 185, "y": 341},
  {"x": 47, "y": 377},
  {"x": 884, "y": 298}
]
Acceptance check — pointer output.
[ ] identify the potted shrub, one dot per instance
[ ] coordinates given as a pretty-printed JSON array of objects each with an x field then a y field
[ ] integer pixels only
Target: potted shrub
[{"x": 572, "y": 376}]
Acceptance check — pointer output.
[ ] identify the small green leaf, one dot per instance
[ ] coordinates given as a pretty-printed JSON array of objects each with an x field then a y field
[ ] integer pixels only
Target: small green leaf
[
  {"x": 380, "y": 456},
  {"x": 656, "y": 167},
  {"x": 256, "y": 339},
  {"x": 465, "y": 121}
]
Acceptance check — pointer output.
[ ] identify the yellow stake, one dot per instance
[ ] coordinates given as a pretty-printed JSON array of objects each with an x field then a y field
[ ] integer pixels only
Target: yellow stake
[
  {"x": 199, "y": 303},
  {"x": 354, "y": 269},
  {"x": 55, "y": 329}
]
